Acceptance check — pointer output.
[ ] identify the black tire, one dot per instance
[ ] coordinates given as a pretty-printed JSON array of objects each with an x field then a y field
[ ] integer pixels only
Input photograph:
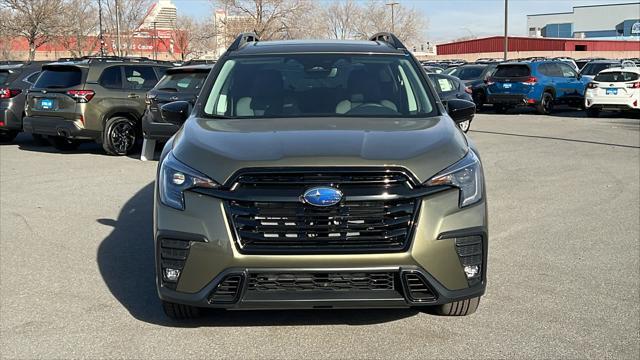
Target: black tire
[
  {"x": 180, "y": 311},
  {"x": 8, "y": 136},
  {"x": 63, "y": 144},
  {"x": 545, "y": 106},
  {"x": 458, "y": 308},
  {"x": 593, "y": 113},
  {"x": 500, "y": 109},
  {"x": 39, "y": 140},
  {"x": 120, "y": 136},
  {"x": 478, "y": 98}
]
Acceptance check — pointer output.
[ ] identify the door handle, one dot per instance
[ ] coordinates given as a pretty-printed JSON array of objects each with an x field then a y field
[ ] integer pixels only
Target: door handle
[{"x": 133, "y": 96}]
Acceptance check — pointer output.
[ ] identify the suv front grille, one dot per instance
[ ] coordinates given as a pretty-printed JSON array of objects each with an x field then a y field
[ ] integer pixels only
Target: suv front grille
[
  {"x": 296, "y": 227},
  {"x": 290, "y": 226},
  {"x": 333, "y": 281}
]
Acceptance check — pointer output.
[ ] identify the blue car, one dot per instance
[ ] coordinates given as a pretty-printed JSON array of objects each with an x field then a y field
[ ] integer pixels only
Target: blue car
[{"x": 540, "y": 84}]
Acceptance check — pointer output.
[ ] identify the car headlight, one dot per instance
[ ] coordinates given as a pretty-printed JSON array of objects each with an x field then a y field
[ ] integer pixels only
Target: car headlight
[
  {"x": 466, "y": 175},
  {"x": 176, "y": 178}
]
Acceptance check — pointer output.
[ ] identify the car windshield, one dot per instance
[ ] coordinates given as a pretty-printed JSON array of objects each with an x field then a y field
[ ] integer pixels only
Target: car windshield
[
  {"x": 182, "y": 81},
  {"x": 468, "y": 72},
  {"x": 318, "y": 85},
  {"x": 594, "y": 68},
  {"x": 616, "y": 76}
]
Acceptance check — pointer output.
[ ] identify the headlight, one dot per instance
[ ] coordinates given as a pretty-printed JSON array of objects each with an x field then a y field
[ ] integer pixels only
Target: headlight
[
  {"x": 176, "y": 178},
  {"x": 466, "y": 175}
]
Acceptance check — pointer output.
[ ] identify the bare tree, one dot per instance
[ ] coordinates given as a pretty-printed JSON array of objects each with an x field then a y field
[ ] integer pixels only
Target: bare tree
[
  {"x": 268, "y": 18},
  {"x": 131, "y": 13},
  {"x": 340, "y": 19},
  {"x": 375, "y": 16},
  {"x": 78, "y": 36},
  {"x": 37, "y": 21}
]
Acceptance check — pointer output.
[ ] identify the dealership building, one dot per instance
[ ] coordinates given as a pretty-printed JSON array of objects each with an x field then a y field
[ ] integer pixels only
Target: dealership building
[{"x": 611, "y": 21}]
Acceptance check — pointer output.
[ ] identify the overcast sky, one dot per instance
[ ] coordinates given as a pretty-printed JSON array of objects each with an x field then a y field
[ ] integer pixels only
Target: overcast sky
[{"x": 451, "y": 19}]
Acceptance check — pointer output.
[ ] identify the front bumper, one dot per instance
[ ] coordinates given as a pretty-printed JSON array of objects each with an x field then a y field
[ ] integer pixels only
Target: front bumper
[
  {"x": 54, "y": 126},
  {"x": 213, "y": 256}
]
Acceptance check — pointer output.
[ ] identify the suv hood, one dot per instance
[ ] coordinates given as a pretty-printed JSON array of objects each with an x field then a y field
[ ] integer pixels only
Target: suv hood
[{"x": 220, "y": 147}]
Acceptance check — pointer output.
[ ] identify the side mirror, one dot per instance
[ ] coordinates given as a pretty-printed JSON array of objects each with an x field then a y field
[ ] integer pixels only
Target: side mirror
[
  {"x": 461, "y": 110},
  {"x": 175, "y": 112}
]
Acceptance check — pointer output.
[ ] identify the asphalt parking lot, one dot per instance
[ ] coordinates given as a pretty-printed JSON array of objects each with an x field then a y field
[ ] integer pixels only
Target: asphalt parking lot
[{"x": 76, "y": 260}]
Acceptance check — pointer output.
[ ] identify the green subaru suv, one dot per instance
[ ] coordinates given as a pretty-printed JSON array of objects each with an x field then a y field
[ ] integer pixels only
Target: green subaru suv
[
  {"x": 100, "y": 99},
  {"x": 319, "y": 174}
]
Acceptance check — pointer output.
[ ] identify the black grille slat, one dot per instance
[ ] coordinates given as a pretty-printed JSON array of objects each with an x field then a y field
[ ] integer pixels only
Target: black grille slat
[
  {"x": 227, "y": 290},
  {"x": 341, "y": 281},
  {"x": 418, "y": 288}
]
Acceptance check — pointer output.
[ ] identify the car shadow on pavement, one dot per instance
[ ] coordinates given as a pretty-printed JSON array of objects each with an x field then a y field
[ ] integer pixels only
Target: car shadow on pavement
[{"x": 126, "y": 262}]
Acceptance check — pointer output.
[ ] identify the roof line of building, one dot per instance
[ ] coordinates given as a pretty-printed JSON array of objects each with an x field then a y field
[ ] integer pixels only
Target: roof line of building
[
  {"x": 539, "y": 38},
  {"x": 581, "y": 6}
]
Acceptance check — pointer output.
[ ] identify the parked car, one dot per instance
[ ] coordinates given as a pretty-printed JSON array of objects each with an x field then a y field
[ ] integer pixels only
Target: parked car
[
  {"x": 450, "y": 87},
  {"x": 592, "y": 68},
  {"x": 95, "y": 99},
  {"x": 15, "y": 79},
  {"x": 432, "y": 69},
  {"x": 180, "y": 83},
  {"x": 540, "y": 84},
  {"x": 475, "y": 76},
  {"x": 309, "y": 175},
  {"x": 614, "y": 89},
  {"x": 569, "y": 61},
  {"x": 582, "y": 62}
]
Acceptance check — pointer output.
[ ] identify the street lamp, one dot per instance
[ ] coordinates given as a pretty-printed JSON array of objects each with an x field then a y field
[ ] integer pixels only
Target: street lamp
[
  {"x": 393, "y": 25},
  {"x": 506, "y": 37}
]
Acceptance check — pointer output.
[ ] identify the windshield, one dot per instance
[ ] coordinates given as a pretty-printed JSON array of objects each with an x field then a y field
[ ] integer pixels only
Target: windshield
[
  {"x": 317, "y": 85},
  {"x": 182, "y": 81},
  {"x": 594, "y": 68},
  {"x": 468, "y": 73},
  {"x": 616, "y": 76}
]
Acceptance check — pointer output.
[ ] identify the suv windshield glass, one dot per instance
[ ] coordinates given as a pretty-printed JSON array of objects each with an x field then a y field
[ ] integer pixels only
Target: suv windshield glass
[
  {"x": 182, "y": 81},
  {"x": 59, "y": 77},
  {"x": 468, "y": 72},
  {"x": 594, "y": 68},
  {"x": 307, "y": 85},
  {"x": 616, "y": 76},
  {"x": 507, "y": 71}
]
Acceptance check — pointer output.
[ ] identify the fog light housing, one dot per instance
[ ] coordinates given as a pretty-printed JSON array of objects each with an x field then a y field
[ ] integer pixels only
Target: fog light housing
[
  {"x": 171, "y": 274},
  {"x": 471, "y": 271}
]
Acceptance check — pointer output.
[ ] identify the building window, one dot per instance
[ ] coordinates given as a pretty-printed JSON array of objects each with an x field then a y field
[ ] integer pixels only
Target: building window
[{"x": 581, "y": 48}]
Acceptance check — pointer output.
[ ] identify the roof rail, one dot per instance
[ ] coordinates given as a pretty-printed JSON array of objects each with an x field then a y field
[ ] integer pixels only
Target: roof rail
[
  {"x": 628, "y": 63},
  {"x": 243, "y": 39},
  {"x": 390, "y": 39}
]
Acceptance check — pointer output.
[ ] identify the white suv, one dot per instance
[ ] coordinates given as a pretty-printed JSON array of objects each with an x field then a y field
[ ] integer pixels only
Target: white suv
[{"x": 614, "y": 89}]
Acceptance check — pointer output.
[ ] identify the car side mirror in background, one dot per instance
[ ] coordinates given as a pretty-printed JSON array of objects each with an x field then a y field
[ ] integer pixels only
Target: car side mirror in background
[
  {"x": 175, "y": 112},
  {"x": 461, "y": 110}
]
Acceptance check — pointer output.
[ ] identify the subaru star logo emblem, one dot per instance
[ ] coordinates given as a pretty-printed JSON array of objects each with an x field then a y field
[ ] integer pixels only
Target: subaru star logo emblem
[{"x": 322, "y": 196}]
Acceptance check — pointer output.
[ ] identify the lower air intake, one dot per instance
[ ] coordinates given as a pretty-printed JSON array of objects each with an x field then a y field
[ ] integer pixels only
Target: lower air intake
[
  {"x": 227, "y": 291},
  {"x": 417, "y": 288}
]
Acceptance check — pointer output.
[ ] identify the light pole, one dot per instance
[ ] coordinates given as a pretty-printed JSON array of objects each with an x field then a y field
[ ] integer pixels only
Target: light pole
[
  {"x": 100, "y": 24},
  {"x": 393, "y": 25},
  {"x": 506, "y": 22},
  {"x": 154, "y": 42},
  {"x": 118, "y": 29}
]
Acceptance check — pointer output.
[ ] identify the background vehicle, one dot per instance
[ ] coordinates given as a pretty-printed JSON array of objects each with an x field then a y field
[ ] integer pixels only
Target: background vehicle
[
  {"x": 14, "y": 81},
  {"x": 614, "y": 89},
  {"x": 541, "y": 84},
  {"x": 276, "y": 192},
  {"x": 98, "y": 99},
  {"x": 475, "y": 77},
  {"x": 432, "y": 69},
  {"x": 580, "y": 63},
  {"x": 450, "y": 87},
  {"x": 569, "y": 61},
  {"x": 592, "y": 68},
  {"x": 178, "y": 84}
]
